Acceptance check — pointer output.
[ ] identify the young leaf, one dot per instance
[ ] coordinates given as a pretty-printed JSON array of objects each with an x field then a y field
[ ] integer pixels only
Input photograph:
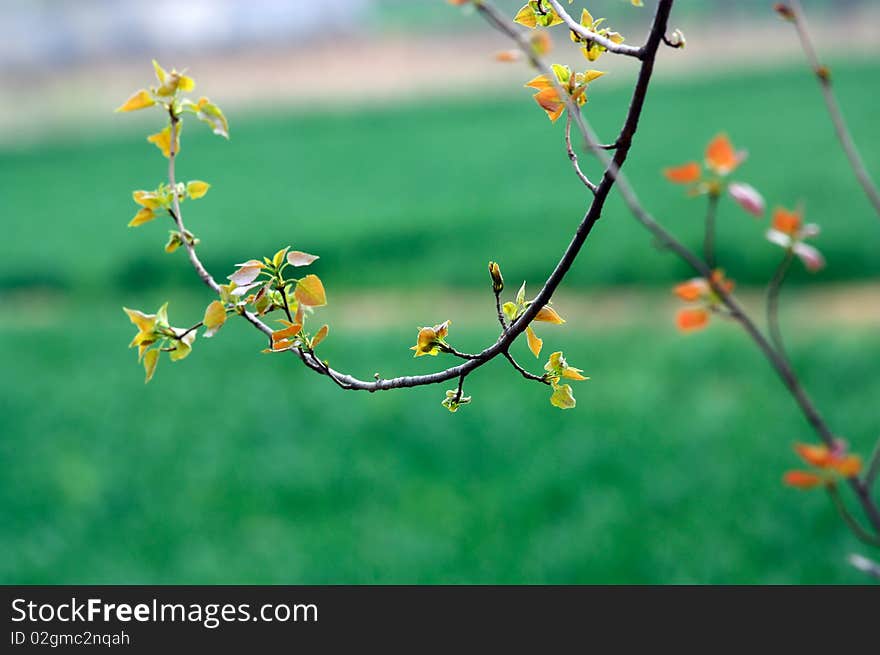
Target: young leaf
[
  {"x": 310, "y": 291},
  {"x": 535, "y": 343},
  {"x": 215, "y": 317},
  {"x": 562, "y": 397},
  {"x": 278, "y": 257},
  {"x": 196, "y": 189},
  {"x": 320, "y": 336},
  {"x": 139, "y": 100},
  {"x": 548, "y": 315},
  {"x": 210, "y": 113},
  {"x": 285, "y": 333},
  {"x": 151, "y": 360},
  {"x": 298, "y": 258},
  {"x": 162, "y": 140},
  {"x": 144, "y": 215},
  {"x": 246, "y": 273}
]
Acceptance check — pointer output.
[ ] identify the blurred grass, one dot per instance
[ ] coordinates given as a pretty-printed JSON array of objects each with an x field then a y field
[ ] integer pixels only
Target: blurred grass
[
  {"x": 239, "y": 468},
  {"x": 427, "y": 193},
  {"x": 232, "y": 467}
]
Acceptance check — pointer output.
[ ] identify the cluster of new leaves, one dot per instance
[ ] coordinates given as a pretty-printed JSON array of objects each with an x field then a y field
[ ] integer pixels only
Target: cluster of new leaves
[
  {"x": 711, "y": 180},
  {"x": 264, "y": 287},
  {"x": 829, "y": 465},
  {"x": 154, "y": 334},
  {"x": 704, "y": 297}
]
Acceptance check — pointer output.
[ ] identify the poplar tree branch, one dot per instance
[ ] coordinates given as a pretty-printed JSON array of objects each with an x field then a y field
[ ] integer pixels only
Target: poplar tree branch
[{"x": 823, "y": 75}]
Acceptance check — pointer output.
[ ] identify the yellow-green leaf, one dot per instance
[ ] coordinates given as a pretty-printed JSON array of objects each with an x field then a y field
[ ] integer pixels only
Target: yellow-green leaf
[
  {"x": 215, "y": 317},
  {"x": 535, "y": 343},
  {"x": 139, "y": 100},
  {"x": 195, "y": 189},
  {"x": 160, "y": 72},
  {"x": 144, "y": 215},
  {"x": 526, "y": 16},
  {"x": 278, "y": 257},
  {"x": 162, "y": 140},
  {"x": 151, "y": 360},
  {"x": 310, "y": 291},
  {"x": 562, "y": 397}
]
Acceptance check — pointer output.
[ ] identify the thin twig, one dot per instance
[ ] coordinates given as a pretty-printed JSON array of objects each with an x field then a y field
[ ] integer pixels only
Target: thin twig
[
  {"x": 574, "y": 158},
  {"x": 528, "y": 376},
  {"x": 500, "y": 311},
  {"x": 834, "y": 111},
  {"x": 446, "y": 348},
  {"x": 873, "y": 468},
  {"x": 709, "y": 236},
  {"x": 178, "y": 218},
  {"x": 856, "y": 528},
  {"x": 773, "y": 290}
]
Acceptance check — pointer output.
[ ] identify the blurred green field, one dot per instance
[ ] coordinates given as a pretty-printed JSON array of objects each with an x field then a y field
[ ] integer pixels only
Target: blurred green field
[
  {"x": 233, "y": 467},
  {"x": 427, "y": 193},
  {"x": 239, "y": 468}
]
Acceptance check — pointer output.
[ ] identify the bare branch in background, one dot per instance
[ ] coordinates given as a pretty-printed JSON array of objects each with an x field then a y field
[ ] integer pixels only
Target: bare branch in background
[{"x": 794, "y": 12}]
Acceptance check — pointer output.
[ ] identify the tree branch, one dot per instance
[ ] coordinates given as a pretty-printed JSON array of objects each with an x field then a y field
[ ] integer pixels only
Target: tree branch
[
  {"x": 648, "y": 54},
  {"x": 583, "y": 32},
  {"x": 843, "y": 134},
  {"x": 773, "y": 290}
]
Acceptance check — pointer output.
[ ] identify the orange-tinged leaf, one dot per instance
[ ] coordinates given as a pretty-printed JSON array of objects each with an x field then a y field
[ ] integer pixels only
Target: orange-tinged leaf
[
  {"x": 291, "y": 331},
  {"x": 144, "y": 215},
  {"x": 540, "y": 82},
  {"x": 786, "y": 221},
  {"x": 689, "y": 320},
  {"x": 815, "y": 455},
  {"x": 549, "y": 101},
  {"x": 299, "y": 258},
  {"x": 151, "y": 360},
  {"x": 848, "y": 466},
  {"x": 548, "y": 315},
  {"x": 310, "y": 291},
  {"x": 139, "y": 100},
  {"x": 720, "y": 155},
  {"x": 535, "y": 343},
  {"x": 320, "y": 335},
  {"x": 692, "y": 290},
  {"x": 802, "y": 479},
  {"x": 507, "y": 56},
  {"x": 684, "y": 174}
]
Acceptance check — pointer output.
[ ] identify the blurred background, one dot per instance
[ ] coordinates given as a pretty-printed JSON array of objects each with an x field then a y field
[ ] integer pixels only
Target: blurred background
[{"x": 383, "y": 136}]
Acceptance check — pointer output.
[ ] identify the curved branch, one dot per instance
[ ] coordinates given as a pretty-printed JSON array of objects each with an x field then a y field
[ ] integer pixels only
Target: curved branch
[
  {"x": 843, "y": 134},
  {"x": 501, "y": 346}
]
